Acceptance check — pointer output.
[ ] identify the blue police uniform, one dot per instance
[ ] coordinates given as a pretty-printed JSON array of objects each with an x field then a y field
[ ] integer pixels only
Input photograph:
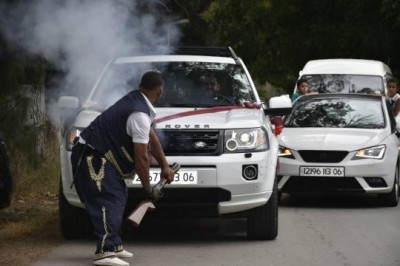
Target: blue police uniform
[{"x": 100, "y": 167}]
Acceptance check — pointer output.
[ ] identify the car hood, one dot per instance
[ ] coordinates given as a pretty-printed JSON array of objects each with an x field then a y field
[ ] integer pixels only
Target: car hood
[
  {"x": 330, "y": 138},
  {"x": 189, "y": 118},
  {"x": 216, "y": 117}
]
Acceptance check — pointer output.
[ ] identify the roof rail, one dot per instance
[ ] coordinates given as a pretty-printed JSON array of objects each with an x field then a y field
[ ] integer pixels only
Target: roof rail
[{"x": 206, "y": 50}]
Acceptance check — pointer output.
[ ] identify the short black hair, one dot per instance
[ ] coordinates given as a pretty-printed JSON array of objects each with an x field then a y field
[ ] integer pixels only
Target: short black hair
[
  {"x": 298, "y": 83},
  {"x": 151, "y": 80},
  {"x": 392, "y": 80}
]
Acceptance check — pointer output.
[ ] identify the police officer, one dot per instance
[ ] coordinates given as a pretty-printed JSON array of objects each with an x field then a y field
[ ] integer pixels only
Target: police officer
[{"x": 115, "y": 146}]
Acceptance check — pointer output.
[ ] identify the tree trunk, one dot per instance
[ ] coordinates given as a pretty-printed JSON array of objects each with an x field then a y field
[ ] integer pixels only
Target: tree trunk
[{"x": 35, "y": 116}]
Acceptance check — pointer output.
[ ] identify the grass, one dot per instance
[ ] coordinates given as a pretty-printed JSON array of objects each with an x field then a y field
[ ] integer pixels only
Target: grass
[{"x": 34, "y": 200}]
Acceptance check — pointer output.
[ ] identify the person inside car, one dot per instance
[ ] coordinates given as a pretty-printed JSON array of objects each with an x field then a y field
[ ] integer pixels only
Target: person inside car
[
  {"x": 393, "y": 95},
  {"x": 210, "y": 85},
  {"x": 302, "y": 89}
]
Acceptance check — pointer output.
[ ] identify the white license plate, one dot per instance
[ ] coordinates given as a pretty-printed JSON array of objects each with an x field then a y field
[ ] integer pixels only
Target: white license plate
[
  {"x": 181, "y": 177},
  {"x": 321, "y": 171}
]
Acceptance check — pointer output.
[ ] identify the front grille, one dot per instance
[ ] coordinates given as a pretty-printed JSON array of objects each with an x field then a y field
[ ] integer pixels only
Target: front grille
[
  {"x": 323, "y": 156},
  {"x": 322, "y": 184},
  {"x": 191, "y": 142}
]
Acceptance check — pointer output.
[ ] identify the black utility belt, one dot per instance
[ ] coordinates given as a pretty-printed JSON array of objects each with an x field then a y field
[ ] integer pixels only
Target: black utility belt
[{"x": 88, "y": 151}]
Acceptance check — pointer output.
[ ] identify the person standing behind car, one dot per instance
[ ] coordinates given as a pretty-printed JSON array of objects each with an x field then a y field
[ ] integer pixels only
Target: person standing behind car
[
  {"x": 393, "y": 95},
  {"x": 115, "y": 146},
  {"x": 302, "y": 89}
]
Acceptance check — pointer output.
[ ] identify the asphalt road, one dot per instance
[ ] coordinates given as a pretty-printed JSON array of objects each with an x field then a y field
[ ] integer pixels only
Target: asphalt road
[{"x": 312, "y": 231}]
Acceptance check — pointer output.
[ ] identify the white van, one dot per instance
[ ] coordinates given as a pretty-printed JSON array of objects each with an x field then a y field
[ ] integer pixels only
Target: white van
[{"x": 346, "y": 76}]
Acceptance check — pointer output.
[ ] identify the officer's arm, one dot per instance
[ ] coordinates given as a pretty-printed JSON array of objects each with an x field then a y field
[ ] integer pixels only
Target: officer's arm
[
  {"x": 158, "y": 153},
  {"x": 156, "y": 149},
  {"x": 142, "y": 164}
]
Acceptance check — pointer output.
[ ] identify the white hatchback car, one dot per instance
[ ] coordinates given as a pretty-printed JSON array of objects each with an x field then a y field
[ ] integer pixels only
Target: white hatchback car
[{"x": 340, "y": 143}]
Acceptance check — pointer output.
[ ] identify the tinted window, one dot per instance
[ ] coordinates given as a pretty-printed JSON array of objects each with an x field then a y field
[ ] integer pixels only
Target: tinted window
[
  {"x": 337, "y": 112},
  {"x": 345, "y": 84},
  {"x": 186, "y": 83}
]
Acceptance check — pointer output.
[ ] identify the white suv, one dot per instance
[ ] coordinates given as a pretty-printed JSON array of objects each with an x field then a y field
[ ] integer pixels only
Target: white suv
[{"x": 222, "y": 139}]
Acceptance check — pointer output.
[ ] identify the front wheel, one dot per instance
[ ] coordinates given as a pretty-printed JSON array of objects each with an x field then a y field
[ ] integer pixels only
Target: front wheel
[
  {"x": 264, "y": 223},
  {"x": 391, "y": 199}
]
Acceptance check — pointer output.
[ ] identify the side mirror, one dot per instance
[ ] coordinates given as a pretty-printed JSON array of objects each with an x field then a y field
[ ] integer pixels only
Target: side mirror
[
  {"x": 279, "y": 106},
  {"x": 67, "y": 108},
  {"x": 68, "y": 102}
]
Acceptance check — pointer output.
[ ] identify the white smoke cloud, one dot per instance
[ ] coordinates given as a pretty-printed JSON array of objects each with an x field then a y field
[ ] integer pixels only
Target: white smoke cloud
[{"x": 80, "y": 36}]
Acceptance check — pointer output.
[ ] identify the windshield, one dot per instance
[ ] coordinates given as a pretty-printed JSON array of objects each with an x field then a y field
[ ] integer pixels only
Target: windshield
[
  {"x": 345, "y": 84},
  {"x": 337, "y": 113},
  {"x": 186, "y": 84}
]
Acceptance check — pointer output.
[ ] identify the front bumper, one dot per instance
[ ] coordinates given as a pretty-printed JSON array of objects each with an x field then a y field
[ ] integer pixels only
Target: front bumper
[
  {"x": 361, "y": 176},
  {"x": 221, "y": 188}
]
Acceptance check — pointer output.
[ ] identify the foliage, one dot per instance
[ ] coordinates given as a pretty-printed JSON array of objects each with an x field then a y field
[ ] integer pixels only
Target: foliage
[
  {"x": 18, "y": 70},
  {"x": 40, "y": 179},
  {"x": 34, "y": 198},
  {"x": 196, "y": 31},
  {"x": 267, "y": 90},
  {"x": 277, "y": 37}
]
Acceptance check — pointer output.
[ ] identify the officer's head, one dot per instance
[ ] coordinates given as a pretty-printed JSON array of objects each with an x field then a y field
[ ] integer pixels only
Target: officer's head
[{"x": 152, "y": 85}]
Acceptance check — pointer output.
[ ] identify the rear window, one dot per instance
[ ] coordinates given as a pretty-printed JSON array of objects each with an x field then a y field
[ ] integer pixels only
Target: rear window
[
  {"x": 337, "y": 113},
  {"x": 367, "y": 84}
]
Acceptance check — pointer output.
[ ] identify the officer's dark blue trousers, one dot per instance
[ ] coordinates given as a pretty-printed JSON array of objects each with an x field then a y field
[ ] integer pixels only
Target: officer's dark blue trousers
[{"x": 104, "y": 193}]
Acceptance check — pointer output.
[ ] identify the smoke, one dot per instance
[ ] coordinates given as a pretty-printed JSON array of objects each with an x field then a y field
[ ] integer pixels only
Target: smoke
[{"x": 79, "y": 37}]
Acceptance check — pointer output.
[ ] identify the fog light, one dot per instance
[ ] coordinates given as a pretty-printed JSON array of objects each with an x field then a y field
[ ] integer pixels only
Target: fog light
[
  {"x": 250, "y": 172},
  {"x": 375, "y": 181}
]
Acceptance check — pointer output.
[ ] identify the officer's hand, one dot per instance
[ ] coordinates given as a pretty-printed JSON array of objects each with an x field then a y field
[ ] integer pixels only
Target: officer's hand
[
  {"x": 155, "y": 194},
  {"x": 168, "y": 173}
]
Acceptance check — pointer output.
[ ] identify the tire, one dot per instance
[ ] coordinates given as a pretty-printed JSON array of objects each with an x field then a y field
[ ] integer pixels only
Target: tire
[
  {"x": 74, "y": 221},
  {"x": 263, "y": 225},
  {"x": 391, "y": 199}
]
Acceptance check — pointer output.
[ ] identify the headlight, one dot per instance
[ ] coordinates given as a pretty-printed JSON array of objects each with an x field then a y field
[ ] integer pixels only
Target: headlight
[
  {"x": 247, "y": 139},
  {"x": 376, "y": 152},
  {"x": 71, "y": 135},
  {"x": 285, "y": 152}
]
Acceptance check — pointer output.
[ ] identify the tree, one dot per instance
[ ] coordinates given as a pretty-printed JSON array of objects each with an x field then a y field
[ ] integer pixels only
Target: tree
[
  {"x": 277, "y": 37},
  {"x": 22, "y": 101}
]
